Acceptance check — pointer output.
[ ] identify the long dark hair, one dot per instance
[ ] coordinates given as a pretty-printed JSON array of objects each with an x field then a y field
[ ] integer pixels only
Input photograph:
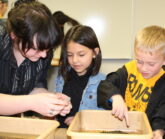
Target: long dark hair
[
  {"x": 63, "y": 19},
  {"x": 29, "y": 19},
  {"x": 18, "y": 2},
  {"x": 83, "y": 35}
]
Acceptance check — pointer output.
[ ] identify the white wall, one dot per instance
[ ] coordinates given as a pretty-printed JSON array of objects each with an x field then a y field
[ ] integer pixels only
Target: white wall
[{"x": 110, "y": 19}]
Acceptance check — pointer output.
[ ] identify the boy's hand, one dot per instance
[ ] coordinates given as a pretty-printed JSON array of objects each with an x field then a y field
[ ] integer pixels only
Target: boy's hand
[
  {"x": 158, "y": 134},
  {"x": 119, "y": 108}
]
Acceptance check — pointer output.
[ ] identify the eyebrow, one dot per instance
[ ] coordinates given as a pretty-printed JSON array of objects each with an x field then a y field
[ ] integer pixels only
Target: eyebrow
[
  {"x": 76, "y": 52},
  {"x": 147, "y": 61}
]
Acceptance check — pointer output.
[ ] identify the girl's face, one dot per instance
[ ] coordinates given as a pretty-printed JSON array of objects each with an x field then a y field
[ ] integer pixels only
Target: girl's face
[
  {"x": 33, "y": 54},
  {"x": 148, "y": 64},
  {"x": 80, "y": 57}
]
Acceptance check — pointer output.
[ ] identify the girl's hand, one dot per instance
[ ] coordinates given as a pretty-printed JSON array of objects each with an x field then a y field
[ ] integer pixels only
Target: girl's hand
[
  {"x": 158, "y": 134},
  {"x": 66, "y": 109},
  {"x": 119, "y": 108},
  {"x": 49, "y": 104},
  {"x": 68, "y": 105},
  {"x": 68, "y": 120}
]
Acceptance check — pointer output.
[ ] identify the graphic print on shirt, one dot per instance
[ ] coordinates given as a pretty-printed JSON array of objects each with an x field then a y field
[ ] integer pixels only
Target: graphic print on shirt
[{"x": 138, "y": 89}]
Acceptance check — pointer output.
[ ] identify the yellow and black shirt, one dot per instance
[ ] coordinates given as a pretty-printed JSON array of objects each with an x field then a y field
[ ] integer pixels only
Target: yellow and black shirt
[{"x": 138, "y": 89}]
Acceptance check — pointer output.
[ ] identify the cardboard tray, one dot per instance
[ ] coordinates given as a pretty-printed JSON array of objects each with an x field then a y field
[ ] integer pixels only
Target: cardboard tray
[
  {"x": 100, "y": 124},
  {"x": 27, "y": 128}
]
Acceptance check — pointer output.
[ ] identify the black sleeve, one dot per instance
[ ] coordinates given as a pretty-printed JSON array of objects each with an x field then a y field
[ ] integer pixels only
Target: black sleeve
[
  {"x": 115, "y": 83},
  {"x": 159, "y": 119},
  {"x": 158, "y": 116}
]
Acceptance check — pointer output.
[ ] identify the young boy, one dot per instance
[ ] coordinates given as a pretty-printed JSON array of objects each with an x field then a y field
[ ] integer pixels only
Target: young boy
[{"x": 140, "y": 82}]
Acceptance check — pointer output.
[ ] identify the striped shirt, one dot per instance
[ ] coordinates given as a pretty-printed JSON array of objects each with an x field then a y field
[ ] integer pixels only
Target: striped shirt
[{"x": 23, "y": 79}]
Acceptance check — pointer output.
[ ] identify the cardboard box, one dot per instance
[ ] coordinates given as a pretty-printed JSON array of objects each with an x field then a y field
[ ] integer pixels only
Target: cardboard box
[
  {"x": 27, "y": 128},
  {"x": 101, "y": 124}
]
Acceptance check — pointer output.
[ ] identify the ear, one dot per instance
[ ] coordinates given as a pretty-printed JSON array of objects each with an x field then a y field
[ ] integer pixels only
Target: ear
[
  {"x": 96, "y": 52},
  {"x": 12, "y": 35}
]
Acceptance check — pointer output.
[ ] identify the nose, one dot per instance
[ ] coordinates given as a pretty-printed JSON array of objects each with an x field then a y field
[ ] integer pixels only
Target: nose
[
  {"x": 144, "y": 67},
  {"x": 74, "y": 59},
  {"x": 43, "y": 54}
]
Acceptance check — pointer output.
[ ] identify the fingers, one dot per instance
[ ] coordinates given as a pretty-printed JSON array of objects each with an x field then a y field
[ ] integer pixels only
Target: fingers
[
  {"x": 118, "y": 113},
  {"x": 63, "y": 97},
  {"x": 66, "y": 103},
  {"x": 60, "y": 102},
  {"x": 121, "y": 115},
  {"x": 126, "y": 118},
  {"x": 68, "y": 120},
  {"x": 59, "y": 99},
  {"x": 52, "y": 113},
  {"x": 158, "y": 134},
  {"x": 66, "y": 110},
  {"x": 50, "y": 104},
  {"x": 62, "y": 105},
  {"x": 59, "y": 109},
  {"x": 54, "y": 110},
  {"x": 119, "y": 109}
]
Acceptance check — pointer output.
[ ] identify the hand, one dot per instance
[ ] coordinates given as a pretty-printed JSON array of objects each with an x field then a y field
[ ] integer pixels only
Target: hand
[
  {"x": 66, "y": 109},
  {"x": 63, "y": 97},
  {"x": 48, "y": 104},
  {"x": 68, "y": 120},
  {"x": 68, "y": 105},
  {"x": 158, "y": 134},
  {"x": 119, "y": 108}
]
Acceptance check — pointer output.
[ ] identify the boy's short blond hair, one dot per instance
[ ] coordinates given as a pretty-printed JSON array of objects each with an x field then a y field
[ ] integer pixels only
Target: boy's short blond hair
[{"x": 150, "y": 39}]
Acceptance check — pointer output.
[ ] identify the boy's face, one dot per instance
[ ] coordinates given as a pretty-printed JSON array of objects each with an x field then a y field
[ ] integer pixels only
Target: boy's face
[{"x": 149, "y": 64}]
